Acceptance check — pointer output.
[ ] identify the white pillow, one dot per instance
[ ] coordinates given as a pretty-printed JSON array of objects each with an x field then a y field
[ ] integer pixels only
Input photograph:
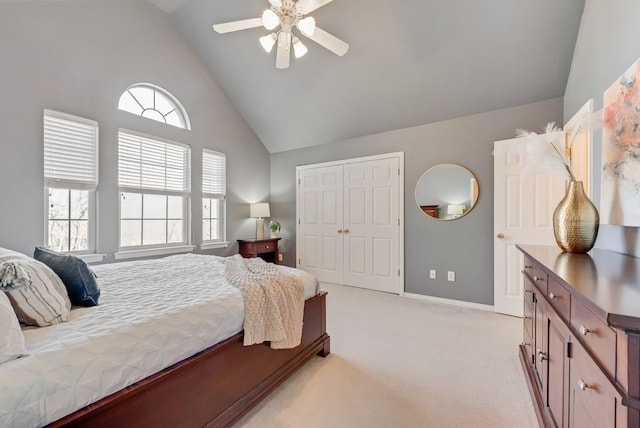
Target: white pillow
[{"x": 11, "y": 337}]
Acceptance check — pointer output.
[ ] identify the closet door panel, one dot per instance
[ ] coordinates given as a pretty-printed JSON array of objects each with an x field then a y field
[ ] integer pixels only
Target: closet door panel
[
  {"x": 321, "y": 201},
  {"x": 372, "y": 222}
]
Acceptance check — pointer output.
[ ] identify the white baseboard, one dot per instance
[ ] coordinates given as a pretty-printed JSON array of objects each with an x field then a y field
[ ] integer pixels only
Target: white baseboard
[{"x": 452, "y": 302}]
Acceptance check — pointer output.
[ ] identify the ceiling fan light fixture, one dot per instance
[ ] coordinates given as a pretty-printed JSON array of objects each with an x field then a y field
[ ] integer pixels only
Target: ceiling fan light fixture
[
  {"x": 307, "y": 26},
  {"x": 299, "y": 50},
  {"x": 268, "y": 41},
  {"x": 270, "y": 20}
]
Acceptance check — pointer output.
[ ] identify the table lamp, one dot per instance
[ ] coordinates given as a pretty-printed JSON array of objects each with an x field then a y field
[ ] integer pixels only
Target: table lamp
[
  {"x": 455, "y": 210},
  {"x": 258, "y": 211}
]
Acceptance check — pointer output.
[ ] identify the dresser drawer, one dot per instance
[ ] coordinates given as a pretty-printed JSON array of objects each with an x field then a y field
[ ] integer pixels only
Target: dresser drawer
[
  {"x": 263, "y": 247},
  {"x": 560, "y": 299},
  {"x": 596, "y": 336},
  {"x": 592, "y": 397}
]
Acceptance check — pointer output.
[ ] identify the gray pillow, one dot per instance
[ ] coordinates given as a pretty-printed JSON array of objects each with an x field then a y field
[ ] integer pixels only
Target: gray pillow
[{"x": 75, "y": 273}]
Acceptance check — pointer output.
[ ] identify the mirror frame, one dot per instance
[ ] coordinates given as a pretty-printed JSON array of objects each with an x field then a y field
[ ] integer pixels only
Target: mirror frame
[{"x": 471, "y": 175}]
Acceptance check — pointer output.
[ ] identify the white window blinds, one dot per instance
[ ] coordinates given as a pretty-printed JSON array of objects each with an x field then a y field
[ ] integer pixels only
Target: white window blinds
[
  {"x": 148, "y": 163},
  {"x": 213, "y": 174},
  {"x": 70, "y": 151}
]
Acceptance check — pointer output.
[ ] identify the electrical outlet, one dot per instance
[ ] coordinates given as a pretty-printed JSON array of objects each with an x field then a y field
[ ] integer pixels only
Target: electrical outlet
[
  {"x": 451, "y": 276},
  {"x": 432, "y": 273},
  {"x": 279, "y": 257}
]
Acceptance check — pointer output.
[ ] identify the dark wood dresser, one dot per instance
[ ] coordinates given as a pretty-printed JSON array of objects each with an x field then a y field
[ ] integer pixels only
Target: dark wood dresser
[
  {"x": 266, "y": 249},
  {"x": 581, "y": 346}
]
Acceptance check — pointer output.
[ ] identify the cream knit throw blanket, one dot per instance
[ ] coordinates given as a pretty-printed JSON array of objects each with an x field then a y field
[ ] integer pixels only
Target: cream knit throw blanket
[{"x": 273, "y": 301}]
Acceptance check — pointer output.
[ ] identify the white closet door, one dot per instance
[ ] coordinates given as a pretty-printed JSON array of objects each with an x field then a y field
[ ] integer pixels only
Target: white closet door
[
  {"x": 371, "y": 225},
  {"x": 320, "y": 205}
]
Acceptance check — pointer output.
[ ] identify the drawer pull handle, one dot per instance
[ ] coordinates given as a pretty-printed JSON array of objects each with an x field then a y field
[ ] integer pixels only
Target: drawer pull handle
[
  {"x": 584, "y": 330},
  {"x": 266, "y": 246},
  {"x": 527, "y": 267},
  {"x": 339, "y": 230},
  {"x": 346, "y": 231},
  {"x": 553, "y": 296},
  {"x": 527, "y": 317},
  {"x": 584, "y": 385},
  {"x": 537, "y": 278}
]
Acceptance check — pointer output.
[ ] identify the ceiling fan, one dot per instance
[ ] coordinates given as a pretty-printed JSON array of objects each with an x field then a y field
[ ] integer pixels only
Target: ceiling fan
[{"x": 287, "y": 14}]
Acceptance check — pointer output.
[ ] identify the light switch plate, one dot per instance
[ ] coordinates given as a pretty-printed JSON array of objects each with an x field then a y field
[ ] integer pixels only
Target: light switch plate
[
  {"x": 451, "y": 276},
  {"x": 432, "y": 273}
]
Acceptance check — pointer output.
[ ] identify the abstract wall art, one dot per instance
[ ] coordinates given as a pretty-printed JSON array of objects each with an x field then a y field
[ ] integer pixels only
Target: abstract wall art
[{"x": 620, "y": 194}]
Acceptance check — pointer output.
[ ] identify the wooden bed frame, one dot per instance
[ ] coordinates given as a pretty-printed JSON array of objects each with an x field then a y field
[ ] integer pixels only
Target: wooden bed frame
[{"x": 213, "y": 388}]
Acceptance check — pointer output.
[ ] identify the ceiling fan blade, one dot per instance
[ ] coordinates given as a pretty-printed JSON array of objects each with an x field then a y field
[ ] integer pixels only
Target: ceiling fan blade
[
  {"x": 329, "y": 41},
  {"x": 308, "y": 6},
  {"x": 244, "y": 24},
  {"x": 276, "y": 3},
  {"x": 283, "y": 55}
]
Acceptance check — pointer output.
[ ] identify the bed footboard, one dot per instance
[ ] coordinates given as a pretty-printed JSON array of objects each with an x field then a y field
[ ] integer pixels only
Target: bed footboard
[{"x": 213, "y": 388}]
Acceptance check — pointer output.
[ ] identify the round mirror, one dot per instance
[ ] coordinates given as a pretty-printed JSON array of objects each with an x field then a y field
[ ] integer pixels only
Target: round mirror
[{"x": 447, "y": 191}]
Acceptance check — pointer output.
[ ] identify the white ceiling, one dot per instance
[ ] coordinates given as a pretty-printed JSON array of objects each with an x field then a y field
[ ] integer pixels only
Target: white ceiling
[{"x": 410, "y": 62}]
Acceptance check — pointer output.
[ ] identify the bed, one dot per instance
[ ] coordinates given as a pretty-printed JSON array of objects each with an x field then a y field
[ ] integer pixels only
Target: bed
[{"x": 163, "y": 348}]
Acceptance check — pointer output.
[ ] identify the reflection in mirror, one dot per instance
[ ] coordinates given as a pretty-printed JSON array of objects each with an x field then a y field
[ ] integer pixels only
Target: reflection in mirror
[{"x": 447, "y": 191}]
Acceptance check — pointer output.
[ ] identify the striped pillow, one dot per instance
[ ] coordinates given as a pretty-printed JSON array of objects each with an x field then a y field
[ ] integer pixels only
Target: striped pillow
[
  {"x": 36, "y": 303},
  {"x": 38, "y": 271}
]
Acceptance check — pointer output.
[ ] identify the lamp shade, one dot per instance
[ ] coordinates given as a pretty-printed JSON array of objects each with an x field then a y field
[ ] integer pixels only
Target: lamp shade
[
  {"x": 268, "y": 41},
  {"x": 259, "y": 210},
  {"x": 455, "y": 209},
  {"x": 270, "y": 20}
]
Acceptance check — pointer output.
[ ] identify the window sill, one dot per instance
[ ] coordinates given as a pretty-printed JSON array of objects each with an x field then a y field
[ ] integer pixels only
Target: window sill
[
  {"x": 212, "y": 245},
  {"x": 92, "y": 258},
  {"x": 149, "y": 252}
]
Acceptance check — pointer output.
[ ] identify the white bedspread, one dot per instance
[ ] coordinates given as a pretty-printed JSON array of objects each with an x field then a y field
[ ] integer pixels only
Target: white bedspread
[{"x": 152, "y": 314}]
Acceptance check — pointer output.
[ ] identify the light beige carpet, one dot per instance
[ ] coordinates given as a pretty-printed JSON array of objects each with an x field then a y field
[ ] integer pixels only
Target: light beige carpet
[{"x": 399, "y": 362}]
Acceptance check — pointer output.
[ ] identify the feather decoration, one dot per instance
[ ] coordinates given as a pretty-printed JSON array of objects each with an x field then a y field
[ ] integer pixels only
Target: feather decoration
[
  {"x": 545, "y": 152},
  {"x": 589, "y": 122}
]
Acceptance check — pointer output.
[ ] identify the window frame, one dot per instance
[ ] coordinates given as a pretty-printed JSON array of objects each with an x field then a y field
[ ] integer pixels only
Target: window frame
[
  {"x": 221, "y": 197},
  {"x": 89, "y": 254},
  {"x": 177, "y": 105},
  {"x": 164, "y": 248}
]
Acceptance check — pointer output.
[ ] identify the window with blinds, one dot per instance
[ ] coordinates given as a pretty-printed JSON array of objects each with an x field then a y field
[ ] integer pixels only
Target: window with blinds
[
  {"x": 154, "y": 184},
  {"x": 213, "y": 196},
  {"x": 71, "y": 181}
]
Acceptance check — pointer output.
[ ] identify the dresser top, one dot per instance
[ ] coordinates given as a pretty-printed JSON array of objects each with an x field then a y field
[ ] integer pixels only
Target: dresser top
[
  {"x": 255, "y": 240},
  {"x": 604, "y": 279}
]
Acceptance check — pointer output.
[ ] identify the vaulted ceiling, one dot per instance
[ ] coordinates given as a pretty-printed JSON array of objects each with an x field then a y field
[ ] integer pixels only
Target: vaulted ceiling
[{"x": 410, "y": 62}]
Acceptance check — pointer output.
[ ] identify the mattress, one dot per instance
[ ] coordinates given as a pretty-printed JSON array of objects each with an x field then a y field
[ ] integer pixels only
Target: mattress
[{"x": 152, "y": 314}]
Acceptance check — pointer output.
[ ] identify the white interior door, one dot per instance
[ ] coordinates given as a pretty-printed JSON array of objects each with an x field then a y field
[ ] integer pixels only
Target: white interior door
[
  {"x": 371, "y": 225},
  {"x": 320, "y": 207},
  {"x": 523, "y": 214}
]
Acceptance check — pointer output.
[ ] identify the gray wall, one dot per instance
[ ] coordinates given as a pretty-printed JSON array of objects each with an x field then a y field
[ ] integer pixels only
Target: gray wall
[
  {"x": 465, "y": 245},
  {"x": 607, "y": 45},
  {"x": 78, "y": 57}
]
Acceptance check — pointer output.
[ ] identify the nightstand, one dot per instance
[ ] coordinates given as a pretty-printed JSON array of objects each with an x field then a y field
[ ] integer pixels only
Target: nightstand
[{"x": 266, "y": 249}]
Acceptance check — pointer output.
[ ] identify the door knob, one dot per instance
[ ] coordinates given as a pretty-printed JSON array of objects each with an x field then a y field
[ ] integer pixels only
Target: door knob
[
  {"x": 339, "y": 230},
  {"x": 346, "y": 231},
  {"x": 500, "y": 236}
]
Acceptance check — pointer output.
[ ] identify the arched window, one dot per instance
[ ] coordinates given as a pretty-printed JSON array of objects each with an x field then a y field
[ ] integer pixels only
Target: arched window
[{"x": 153, "y": 102}]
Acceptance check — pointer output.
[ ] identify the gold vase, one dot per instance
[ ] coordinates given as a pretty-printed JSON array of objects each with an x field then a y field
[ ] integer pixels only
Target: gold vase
[{"x": 575, "y": 220}]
